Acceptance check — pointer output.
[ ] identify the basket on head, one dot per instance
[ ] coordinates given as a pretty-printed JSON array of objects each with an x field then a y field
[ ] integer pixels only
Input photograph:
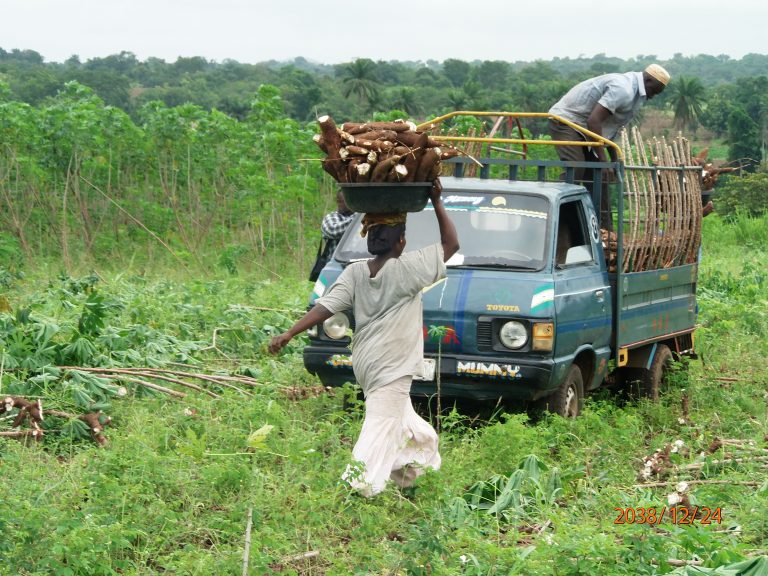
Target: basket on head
[{"x": 386, "y": 197}]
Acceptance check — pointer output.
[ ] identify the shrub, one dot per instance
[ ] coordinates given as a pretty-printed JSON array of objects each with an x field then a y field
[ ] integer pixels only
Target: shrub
[
  {"x": 11, "y": 256},
  {"x": 748, "y": 193}
]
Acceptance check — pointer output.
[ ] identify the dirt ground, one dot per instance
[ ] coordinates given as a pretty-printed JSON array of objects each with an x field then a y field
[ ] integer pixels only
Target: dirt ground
[{"x": 660, "y": 123}]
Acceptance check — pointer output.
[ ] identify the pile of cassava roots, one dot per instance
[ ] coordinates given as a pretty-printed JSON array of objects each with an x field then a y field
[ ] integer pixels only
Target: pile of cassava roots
[{"x": 380, "y": 152}]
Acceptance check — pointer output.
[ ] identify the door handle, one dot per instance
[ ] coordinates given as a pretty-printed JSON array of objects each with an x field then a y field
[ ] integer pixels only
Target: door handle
[{"x": 599, "y": 295}]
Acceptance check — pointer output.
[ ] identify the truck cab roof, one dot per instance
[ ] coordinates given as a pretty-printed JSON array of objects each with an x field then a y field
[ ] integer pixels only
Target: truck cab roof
[{"x": 551, "y": 190}]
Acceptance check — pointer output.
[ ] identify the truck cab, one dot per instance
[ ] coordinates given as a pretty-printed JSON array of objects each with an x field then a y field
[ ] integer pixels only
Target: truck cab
[
  {"x": 529, "y": 309},
  {"x": 526, "y": 293}
]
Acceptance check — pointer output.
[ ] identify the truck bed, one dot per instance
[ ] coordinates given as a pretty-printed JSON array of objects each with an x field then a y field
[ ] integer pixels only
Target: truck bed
[{"x": 654, "y": 305}]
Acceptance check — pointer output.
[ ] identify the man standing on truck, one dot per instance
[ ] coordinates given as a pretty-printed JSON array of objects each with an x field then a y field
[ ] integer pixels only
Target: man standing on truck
[
  {"x": 384, "y": 294},
  {"x": 603, "y": 105}
]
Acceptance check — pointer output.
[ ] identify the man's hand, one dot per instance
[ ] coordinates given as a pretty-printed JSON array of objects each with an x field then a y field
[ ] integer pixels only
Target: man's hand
[
  {"x": 278, "y": 343},
  {"x": 609, "y": 176}
]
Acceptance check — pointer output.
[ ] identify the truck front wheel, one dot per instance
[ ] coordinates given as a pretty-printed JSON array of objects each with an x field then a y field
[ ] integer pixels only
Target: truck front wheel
[{"x": 568, "y": 398}]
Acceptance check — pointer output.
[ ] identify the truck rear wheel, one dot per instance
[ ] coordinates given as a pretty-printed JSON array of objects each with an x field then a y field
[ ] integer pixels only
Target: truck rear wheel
[
  {"x": 650, "y": 382},
  {"x": 655, "y": 380},
  {"x": 569, "y": 397}
]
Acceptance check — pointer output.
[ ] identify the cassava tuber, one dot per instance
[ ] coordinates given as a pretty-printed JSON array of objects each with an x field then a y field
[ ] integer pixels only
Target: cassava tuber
[{"x": 380, "y": 151}]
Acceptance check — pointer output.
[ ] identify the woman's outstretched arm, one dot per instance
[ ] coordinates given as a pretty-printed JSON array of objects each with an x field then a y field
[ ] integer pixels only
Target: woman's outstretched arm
[{"x": 316, "y": 315}]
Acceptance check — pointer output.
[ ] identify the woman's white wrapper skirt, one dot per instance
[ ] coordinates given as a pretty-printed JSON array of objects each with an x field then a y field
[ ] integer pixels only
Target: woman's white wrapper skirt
[{"x": 395, "y": 443}]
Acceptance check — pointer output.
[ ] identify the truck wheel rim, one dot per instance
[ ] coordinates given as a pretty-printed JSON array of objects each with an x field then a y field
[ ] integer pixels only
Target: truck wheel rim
[{"x": 570, "y": 402}]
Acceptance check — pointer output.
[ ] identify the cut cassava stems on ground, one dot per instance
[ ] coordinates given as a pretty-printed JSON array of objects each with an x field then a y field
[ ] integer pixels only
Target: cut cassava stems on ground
[
  {"x": 144, "y": 376},
  {"x": 31, "y": 413},
  {"x": 380, "y": 152}
]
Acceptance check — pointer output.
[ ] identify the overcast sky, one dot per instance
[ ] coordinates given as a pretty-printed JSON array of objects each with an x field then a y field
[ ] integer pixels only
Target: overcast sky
[{"x": 331, "y": 31}]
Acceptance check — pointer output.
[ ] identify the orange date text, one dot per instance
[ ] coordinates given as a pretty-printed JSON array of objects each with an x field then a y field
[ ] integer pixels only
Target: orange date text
[{"x": 674, "y": 514}]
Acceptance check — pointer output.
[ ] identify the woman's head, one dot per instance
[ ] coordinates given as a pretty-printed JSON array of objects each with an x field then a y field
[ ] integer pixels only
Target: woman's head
[
  {"x": 385, "y": 232},
  {"x": 383, "y": 238}
]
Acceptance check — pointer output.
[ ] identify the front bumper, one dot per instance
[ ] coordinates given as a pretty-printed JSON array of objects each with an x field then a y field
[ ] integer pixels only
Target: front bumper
[{"x": 473, "y": 377}]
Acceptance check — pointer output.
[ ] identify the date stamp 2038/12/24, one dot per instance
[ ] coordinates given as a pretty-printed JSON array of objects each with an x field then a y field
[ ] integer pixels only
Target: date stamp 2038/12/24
[{"x": 674, "y": 514}]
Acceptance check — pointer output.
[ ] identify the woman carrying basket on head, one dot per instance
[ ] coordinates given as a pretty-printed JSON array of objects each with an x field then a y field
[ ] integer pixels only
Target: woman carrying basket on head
[{"x": 384, "y": 294}]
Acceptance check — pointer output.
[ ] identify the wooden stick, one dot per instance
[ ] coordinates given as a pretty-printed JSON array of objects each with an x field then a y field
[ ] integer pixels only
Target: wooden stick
[
  {"x": 691, "y": 482},
  {"x": 176, "y": 381},
  {"x": 225, "y": 385},
  {"x": 151, "y": 386},
  {"x": 700, "y": 465},
  {"x": 36, "y": 434},
  {"x": 219, "y": 380},
  {"x": 148, "y": 374},
  {"x": 247, "y": 551}
]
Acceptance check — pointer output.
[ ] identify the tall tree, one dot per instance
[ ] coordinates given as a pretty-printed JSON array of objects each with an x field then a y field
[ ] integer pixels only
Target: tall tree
[
  {"x": 492, "y": 74},
  {"x": 744, "y": 138},
  {"x": 457, "y": 71},
  {"x": 687, "y": 95},
  {"x": 359, "y": 79},
  {"x": 405, "y": 99}
]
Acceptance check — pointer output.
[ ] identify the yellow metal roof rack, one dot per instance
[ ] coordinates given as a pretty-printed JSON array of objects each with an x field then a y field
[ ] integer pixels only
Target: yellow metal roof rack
[{"x": 591, "y": 139}]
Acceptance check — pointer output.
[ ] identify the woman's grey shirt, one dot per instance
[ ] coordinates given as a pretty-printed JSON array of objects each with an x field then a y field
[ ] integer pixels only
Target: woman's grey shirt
[{"x": 388, "y": 342}]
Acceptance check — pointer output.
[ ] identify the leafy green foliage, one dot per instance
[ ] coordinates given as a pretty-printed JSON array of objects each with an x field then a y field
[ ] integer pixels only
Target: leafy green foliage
[
  {"x": 515, "y": 496},
  {"x": 747, "y": 194},
  {"x": 232, "y": 196},
  {"x": 686, "y": 97},
  {"x": 10, "y": 253}
]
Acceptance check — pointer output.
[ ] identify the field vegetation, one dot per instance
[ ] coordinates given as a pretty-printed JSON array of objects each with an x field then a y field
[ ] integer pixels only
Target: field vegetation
[
  {"x": 144, "y": 265},
  {"x": 175, "y": 486}
]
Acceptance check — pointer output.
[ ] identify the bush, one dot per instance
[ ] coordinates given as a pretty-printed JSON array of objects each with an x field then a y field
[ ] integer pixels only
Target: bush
[
  {"x": 748, "y": 194},
  {"x": 11, "y": 256}
]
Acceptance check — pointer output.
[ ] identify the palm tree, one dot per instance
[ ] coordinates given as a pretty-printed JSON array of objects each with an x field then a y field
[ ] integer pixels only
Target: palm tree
[
  {"x": 687, "y": 98},
  {"x": 404, "y": 98},
  {"x": 359, "y": 79},
  {"x": 457, "y": 99}
]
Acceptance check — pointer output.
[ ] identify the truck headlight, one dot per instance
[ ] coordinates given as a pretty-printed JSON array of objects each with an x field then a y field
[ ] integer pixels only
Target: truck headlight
[
  {"x": 513, "y": 335},
  {"x": 336, "y": 326}
]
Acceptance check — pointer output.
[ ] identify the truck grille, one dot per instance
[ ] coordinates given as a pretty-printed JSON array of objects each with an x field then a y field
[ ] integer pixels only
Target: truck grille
[{"x": 484, "y": 336}]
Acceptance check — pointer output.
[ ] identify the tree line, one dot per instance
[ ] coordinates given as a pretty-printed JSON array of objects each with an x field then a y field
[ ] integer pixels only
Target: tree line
[
  {"x": 722, "y": 94},
  {"x": 201, "y": 153}
]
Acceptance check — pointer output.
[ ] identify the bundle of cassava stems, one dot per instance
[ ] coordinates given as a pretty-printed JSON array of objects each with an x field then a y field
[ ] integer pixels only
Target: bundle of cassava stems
[{"x": 380, "y": 151}]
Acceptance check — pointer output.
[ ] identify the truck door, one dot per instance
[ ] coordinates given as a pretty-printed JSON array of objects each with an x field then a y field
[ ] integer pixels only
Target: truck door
[{"x": 582, "y": 290}]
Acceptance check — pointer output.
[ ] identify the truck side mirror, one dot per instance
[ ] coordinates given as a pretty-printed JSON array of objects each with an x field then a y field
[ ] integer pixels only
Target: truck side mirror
[{"x": 578, "y": 255}]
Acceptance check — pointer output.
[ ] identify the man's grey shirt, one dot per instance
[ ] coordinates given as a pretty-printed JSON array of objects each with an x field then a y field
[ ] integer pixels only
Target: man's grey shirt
[{"x": 621, "y": 94}]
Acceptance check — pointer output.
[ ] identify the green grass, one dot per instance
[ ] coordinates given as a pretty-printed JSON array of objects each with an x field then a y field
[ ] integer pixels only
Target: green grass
[{"x": 171, "y": 492}]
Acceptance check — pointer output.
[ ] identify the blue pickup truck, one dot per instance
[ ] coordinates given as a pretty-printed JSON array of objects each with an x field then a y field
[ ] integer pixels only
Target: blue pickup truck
[{"x": 532, "y": 309}]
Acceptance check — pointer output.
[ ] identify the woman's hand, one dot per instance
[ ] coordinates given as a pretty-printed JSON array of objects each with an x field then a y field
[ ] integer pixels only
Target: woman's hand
[
  {"x": 448, "y": 237},
  {"x": 278, "y": 343},
  {"x": 436, "y": 191}
]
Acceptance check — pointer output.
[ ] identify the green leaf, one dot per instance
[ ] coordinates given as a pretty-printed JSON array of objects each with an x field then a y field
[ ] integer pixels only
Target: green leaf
[{"x": 257, "y": 439}]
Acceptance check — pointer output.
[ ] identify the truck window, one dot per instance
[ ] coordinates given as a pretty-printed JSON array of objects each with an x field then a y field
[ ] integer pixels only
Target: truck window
[
  {"x": 571, "y": 232},
  {"x": 495, "y": 229}
]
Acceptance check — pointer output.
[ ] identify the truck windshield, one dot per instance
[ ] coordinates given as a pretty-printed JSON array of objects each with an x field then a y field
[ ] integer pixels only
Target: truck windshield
[{"x": 495, "y": 230}]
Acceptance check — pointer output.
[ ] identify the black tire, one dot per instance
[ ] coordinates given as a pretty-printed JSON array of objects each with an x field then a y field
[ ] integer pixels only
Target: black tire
[
  {"x": 656, "y": 380},
  {"x": 650, "y": 382},
  {"x": 568, "y": 399}
]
